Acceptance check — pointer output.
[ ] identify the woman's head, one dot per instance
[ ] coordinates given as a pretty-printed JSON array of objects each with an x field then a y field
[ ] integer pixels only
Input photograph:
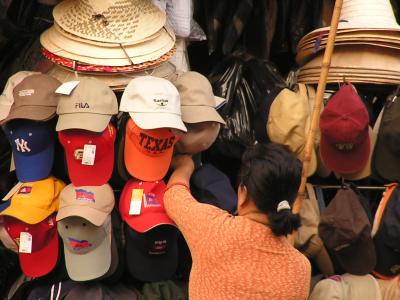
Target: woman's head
[{"x": 271, "y": 174}]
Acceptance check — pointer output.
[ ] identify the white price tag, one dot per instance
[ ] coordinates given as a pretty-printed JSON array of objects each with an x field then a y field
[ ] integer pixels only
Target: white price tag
[
  {"x": 136, "y": 202},
  {"x": 67, "y": 87},
  {"x": 89, "y": 153},
  {"x": 25, "y": 242}
]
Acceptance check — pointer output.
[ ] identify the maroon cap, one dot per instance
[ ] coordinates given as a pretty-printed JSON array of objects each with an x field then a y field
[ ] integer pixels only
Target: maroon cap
[{"x": 345, "y": 142}]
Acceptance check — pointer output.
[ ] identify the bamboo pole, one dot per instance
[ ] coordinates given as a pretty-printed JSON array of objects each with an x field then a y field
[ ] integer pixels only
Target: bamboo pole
[{"x": 318, "y": 102}]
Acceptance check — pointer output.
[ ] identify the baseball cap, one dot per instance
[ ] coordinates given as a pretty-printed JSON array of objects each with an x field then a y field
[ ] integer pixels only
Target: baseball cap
[
  {"x": 90, "y": 106},
  {"x": 291, "y": 129},
  {"x": 387, "y": 236},
  {"x": 346, "y": 230},
  {"x": 347, "y": 287},
  {"x": 7, "y": 97},
  {"x": 93, "y": 203},
  {"x": 148, "y": 153},
  {"x": 44, "y": 252},
  {"x": 34, "y": 98},
  {"x": 74, "y": 141},
  {"x": 87, "y": 247},
  {"x": 199, "y": 137},
  {"x": 345, "y": 142},
  {"x": 152, "y": 256},
  {"x": 35, "y": 201},
  {"x": 152, "y": 212},
  {"x": 390, "y": 289},
  {"x": 198, "y": 102},
  {"x": 32, "y": 145},
  {"x": 152, "y": 103}
]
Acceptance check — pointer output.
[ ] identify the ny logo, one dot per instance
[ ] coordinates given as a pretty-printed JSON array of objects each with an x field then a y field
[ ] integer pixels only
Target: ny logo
[{"x": 22, "y": 145}]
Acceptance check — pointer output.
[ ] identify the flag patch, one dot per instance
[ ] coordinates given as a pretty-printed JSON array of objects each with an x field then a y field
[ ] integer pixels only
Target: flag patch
[
  {"x": 150, "y": 200},
  {"x": 25, "y": 190},
  {"x": 84, "y": 195},
  {"x": 79, "y": 244}
]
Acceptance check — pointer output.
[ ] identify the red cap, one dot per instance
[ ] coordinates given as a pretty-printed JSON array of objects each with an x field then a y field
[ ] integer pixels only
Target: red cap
[
  {"x": 345, "y": 142},
  {"x": 44, "y": 254},
  {"x": 152, "y": 211},
  {"x": 73, "y": 141},
  {"x": 148, "y": 152}
]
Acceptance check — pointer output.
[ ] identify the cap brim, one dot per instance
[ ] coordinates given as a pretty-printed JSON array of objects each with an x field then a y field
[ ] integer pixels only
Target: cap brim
[
  {"x": 387, "y": 258},
  {"x": 345, "y": 162},
  {"x": 158, "y": 120},
  {"x": 143, "y": 167},
  {"x": 30, "y": 215},
  {"x": 33, "y": 112},
  {"x": 197, "y": 114},
  {"x": 34, "y": 167},
  {"x": 86, "y": 121},
  {"x": 94, "y": 216},
  {"x": 149, "y": 221},
  {"x": 219, "y": 102},
  {"x": 40, "y": 263},
  {"x": 151, "y": 268}
]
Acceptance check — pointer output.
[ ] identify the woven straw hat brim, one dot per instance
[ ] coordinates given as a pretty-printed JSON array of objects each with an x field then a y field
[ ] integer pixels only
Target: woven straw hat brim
[{"x": 111, "y": 21}]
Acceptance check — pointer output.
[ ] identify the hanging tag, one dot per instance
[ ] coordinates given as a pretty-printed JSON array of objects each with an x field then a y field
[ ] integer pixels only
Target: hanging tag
[
  {"x": 12, "y": 191},
  {"x": 67, "y": 88},
  {"x": 136, "y": 202},
  {"x": 89, "y": 153},
  {"x": 25, "y": 242}
]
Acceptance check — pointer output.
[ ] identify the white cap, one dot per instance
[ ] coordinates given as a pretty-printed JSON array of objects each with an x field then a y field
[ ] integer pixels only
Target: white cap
[{"x": 152, "y": 103}]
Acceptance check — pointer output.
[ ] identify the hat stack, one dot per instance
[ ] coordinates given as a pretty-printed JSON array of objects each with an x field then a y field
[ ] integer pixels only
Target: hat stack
[
  {"x": 103, "y": 38},
  {"x": 367, "y": 46}
]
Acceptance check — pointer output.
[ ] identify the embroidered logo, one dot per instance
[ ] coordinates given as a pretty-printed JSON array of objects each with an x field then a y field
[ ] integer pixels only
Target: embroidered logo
[
  {"x": 78, "y": 245},
  {"x": 78, "y": 154},
  {"x": 24, "y": 93},
  {"x": 161, "y": 102},
  {"x": 84, "y": 195},
  {"x": 82, "y": 105},
  {"x": 150, "y": 200},
  {"x": 22, "y": 145},
  {"x": 154, "y": 145},
  {"x": 25, "y": 190},
  {"x": 159, "y": 247}
]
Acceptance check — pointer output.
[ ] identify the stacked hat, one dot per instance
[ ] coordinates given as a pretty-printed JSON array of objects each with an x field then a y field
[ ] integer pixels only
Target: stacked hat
[
  {"x": 151, "y": 236},
  {"x": 108, "y": 37},
  {"x": 198, "y": 105},
  {"x": 366, "y": 46},
  {"x": 150, "y": 135},
  {"x": 84, "y": 224},
  {"x": 29, "y": 226}
]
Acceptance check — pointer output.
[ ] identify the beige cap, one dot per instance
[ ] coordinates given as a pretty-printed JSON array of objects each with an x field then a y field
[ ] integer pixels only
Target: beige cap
[
  {"x": 390, "y": 289},
  {"x": 93, "y": 203},
  {"x": 198, "y": 138},
  {"x": 34, "y": 98},
  {"x": 289, "y": 123},
  {"x": 6, "y": 97},
  {"x": 89, "y": 106},
  {"x": 198, "y": 102}
]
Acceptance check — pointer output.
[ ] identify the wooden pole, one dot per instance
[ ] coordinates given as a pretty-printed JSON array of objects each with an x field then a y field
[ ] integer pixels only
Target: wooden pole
[{"x": 318, "y": 102}]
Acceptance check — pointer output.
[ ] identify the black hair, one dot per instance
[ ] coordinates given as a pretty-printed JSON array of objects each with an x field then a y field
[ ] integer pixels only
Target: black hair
[{"x": 271, "y": 174}]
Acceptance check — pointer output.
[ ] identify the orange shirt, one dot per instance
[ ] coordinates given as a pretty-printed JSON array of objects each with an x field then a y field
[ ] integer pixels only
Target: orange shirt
[{"x": 235, "y": 257}]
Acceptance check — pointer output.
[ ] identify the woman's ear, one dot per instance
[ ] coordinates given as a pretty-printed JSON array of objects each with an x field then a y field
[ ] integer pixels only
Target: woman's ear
[{"x": 242, "y": 196}]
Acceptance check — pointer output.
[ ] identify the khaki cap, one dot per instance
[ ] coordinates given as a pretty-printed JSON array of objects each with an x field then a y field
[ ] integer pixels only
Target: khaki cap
[{"x": 90, "y": 106}]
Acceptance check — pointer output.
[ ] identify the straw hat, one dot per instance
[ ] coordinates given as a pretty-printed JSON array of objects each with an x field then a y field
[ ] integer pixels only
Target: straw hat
[
  {"x": 138, "y": 53},
  {"x": 111, "y": 21}
]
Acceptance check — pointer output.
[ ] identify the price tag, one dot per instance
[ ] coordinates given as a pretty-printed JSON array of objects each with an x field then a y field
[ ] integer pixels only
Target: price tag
[
  {"x": 25, "y": 242},
  {"x": 67, "y": 88},
  {"x": 136, "y": 202},
  {"x": 89, "y": 153},
  {"x": 12, "y": 191}
]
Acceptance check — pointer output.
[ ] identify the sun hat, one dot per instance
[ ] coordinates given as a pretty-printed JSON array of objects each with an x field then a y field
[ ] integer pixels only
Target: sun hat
[
  {"x": 148, "y": 153},
  {"x": 89, "y": 106},
  {"x": 87, "y": 248},
  {"x": 153, "y": 103},
  {"x": 346, "y": 231},
  {"x": 93, "y": 203},
  {"x": 152, "y": 212},
  {"x": 35, "y": 201},
  {"x": 44, "y": 245},
  {"x": 74, "y": 141},
  {"x": 34, "y": 98},
  {"x": 32, "y": 146},
  {"x": 198, "y": 138},
  {"x": 7, "y": 97},
  {"x": 111, "y": 21},
  {"x": 198, "y": 102},
  {"x": 345, "y": 141}
]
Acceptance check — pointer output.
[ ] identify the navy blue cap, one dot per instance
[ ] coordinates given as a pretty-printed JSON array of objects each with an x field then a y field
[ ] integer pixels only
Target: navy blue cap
[
  {"x": 32, "y": 145},
  {"x": 210, "y": 185}
]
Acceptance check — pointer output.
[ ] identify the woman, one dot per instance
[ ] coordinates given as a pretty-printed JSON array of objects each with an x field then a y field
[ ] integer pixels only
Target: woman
[{"x": 245, "y": 256}]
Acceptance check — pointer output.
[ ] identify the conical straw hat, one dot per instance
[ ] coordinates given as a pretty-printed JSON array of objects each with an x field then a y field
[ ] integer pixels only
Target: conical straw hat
[{"x": 111, "y": 21}]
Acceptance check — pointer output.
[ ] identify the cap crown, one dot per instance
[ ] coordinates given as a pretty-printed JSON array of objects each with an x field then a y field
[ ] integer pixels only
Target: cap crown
[{"x": 390, "y": 224}]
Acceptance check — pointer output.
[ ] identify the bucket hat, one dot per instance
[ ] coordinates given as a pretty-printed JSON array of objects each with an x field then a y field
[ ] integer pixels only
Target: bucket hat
[{"x": 198, "y": 138}]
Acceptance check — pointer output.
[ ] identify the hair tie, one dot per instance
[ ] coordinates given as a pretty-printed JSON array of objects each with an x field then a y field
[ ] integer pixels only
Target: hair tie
[{"x": 283, "y": 205}]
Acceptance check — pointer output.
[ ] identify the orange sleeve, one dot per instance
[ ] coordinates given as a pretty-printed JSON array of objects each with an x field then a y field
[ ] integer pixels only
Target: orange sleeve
[{"x": 192, "y": 217}]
